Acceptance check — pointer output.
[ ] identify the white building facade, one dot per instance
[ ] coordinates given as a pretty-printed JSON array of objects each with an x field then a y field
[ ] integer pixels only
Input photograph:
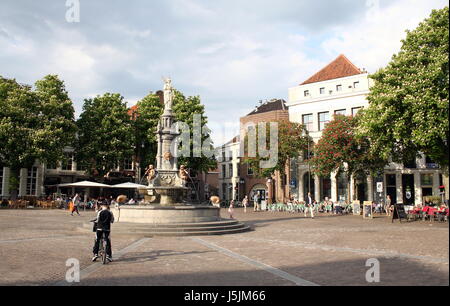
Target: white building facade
[
  {"x": 342, "y": 88},
  {"x": 228, "y": 165}
]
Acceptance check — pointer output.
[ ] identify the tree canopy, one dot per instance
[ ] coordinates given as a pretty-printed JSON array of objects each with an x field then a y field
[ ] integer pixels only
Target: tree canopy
[
  {"x": 185, "y": 108},
  {"x": 34, "y": 124},
  {"x": 409, "y": 102},
  {"x": 105, "y": 134},
  {"x": 340, "y": 148},
  {"x": 146, "y": 118},
  {"x": 291, "y": 141}
]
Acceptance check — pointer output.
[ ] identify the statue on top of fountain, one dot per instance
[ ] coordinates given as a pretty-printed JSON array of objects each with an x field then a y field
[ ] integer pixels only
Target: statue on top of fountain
[{"x": 168, "y": 93}]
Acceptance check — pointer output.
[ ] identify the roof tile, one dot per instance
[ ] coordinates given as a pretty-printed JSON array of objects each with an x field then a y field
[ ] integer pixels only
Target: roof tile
[{"x": 339, "y": 68}]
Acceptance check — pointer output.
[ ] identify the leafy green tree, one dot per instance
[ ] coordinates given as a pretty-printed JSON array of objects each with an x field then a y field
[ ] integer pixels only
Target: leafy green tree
[
  {"x": 105, "y": 134},
  {"x": 34, "y": 125},
  {"x": 184, "y": 109},
  {"x": 292, "y": 140},
  {"x": 57, "y": 118},
  {"x": 409, "y": 102},
  {"x": 339, "y": 149},
  {"x": 146, "y": 118}
]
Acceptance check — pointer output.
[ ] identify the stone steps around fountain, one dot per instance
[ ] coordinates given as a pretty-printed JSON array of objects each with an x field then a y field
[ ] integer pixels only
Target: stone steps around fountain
[{"x": 177, "y": 229}]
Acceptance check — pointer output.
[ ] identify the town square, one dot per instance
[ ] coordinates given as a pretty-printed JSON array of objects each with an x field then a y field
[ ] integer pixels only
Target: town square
[{"x": 205, "y": 145}]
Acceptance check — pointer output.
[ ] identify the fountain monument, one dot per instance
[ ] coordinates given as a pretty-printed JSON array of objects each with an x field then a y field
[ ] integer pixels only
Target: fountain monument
[{"x": 166, "y": 210}]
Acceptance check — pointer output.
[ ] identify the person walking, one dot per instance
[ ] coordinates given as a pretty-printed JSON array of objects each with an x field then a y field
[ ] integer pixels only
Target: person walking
[
  {"x": 309, "y": 206},
  {"x": 245, "y": 203},
  {"x": 75, "y": 203},
  {"x": 387, "y": 207},
  {"x": 231, "y": 209},
  {"x": 255, "y": 200}
]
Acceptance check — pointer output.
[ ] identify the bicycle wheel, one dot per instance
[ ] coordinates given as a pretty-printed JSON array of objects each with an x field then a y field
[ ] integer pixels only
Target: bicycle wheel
[{"x": 104, "y": 252}]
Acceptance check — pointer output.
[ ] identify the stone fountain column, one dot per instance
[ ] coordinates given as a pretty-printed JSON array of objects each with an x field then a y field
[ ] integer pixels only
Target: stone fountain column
[{"x": 167, "y": 185}]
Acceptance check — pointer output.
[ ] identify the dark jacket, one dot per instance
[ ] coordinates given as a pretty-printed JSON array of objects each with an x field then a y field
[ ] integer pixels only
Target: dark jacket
[{"x": 104, "y": 220}]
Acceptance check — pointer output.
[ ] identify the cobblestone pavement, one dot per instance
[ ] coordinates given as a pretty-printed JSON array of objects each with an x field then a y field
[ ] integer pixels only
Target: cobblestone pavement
[{"x": 283, "y": 249}]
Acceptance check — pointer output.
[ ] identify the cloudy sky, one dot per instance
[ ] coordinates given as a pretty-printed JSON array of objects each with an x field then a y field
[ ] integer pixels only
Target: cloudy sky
[{"x": 232, "y": 53}]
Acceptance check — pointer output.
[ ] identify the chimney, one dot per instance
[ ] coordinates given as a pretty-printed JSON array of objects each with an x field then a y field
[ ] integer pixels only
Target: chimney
[{"x": 160, "y": 94}]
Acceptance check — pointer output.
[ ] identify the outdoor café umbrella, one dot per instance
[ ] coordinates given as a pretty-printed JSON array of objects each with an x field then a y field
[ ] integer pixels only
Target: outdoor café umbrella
[
  {"x": 129, "y": 185},
  {"x": 85, "y": 184}
]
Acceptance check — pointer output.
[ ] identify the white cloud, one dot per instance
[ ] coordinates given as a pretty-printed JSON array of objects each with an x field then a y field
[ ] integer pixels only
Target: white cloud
[
  {"x": 231, "y": 53},
  {"x": 371, "y": 41}
]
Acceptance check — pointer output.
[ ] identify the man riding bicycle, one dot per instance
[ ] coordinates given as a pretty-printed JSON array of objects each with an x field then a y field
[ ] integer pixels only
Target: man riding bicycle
[{"x": 102, "y": 227}]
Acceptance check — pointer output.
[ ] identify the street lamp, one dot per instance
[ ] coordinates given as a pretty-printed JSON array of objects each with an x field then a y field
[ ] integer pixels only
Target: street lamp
[{"x": 309, "y": 165}]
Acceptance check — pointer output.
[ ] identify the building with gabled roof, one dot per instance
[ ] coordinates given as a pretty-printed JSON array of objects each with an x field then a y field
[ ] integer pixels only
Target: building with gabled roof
[
  {"x": 341, "y": 67},
  {"x": 342, "y": 88}
]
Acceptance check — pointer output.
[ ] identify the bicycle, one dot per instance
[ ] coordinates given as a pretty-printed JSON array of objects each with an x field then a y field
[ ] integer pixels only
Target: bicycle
[
  {"x": 102, "y": 249},
  {"x": 102, "y": 245}
]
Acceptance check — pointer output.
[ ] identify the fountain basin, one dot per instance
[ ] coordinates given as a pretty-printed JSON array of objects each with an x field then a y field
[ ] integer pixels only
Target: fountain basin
[{"x": 161, "y": 214}]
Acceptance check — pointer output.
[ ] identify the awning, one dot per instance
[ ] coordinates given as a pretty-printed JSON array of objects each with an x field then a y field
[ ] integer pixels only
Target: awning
[
  {"x": 129, "y": 185},
  {"x": 84, "y": 184}
]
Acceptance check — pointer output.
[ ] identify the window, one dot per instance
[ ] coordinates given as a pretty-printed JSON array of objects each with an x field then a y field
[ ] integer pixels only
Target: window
[
  {"x": 308, "y": 154},
  {"x": 249, "y": 170},
  {"x": 52, "y": 166},
  {"x": 429, "y": 163},
  {"x": 224, "y": 190},
  {"x": 355, "y": 110},
  {"x": 67, "y": 162},
  {"x": 390, "y": 180},
  {"x": 306, "y": 93},
  {"x": 426, "y": 179},
  {"x": 223, "y": 155},
  {"x": 355, "y": 84},
  {"x": 1, "y": 179},
  {"x": 308, "y": 121},
  {"x": 230, "y": 155},
  {"x": 128, "y": 164},
  {"x": 322, "y": 90},
  {"x": 340, "y": 112},
  {"x": 224, "y": 170},
  {"x": 230, "y": 170},
  {"x": 324, "y": 118},
  {"x": 342, "y": 183},
  {"x": 32, "y": 181},
  {"x": 338, "y": 87}
]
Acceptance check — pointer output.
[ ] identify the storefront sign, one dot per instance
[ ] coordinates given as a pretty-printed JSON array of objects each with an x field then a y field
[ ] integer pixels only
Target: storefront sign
[
  {"x": 367, "y": 210},
  {"x": 379, "y": 186}
]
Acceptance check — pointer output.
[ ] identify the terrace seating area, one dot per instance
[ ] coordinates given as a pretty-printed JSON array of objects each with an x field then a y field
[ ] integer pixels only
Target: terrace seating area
[
  {"x": 29, "y": 203},
  {"x": 428, "y": 213},
  {"x": 300, "y": 207}
]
